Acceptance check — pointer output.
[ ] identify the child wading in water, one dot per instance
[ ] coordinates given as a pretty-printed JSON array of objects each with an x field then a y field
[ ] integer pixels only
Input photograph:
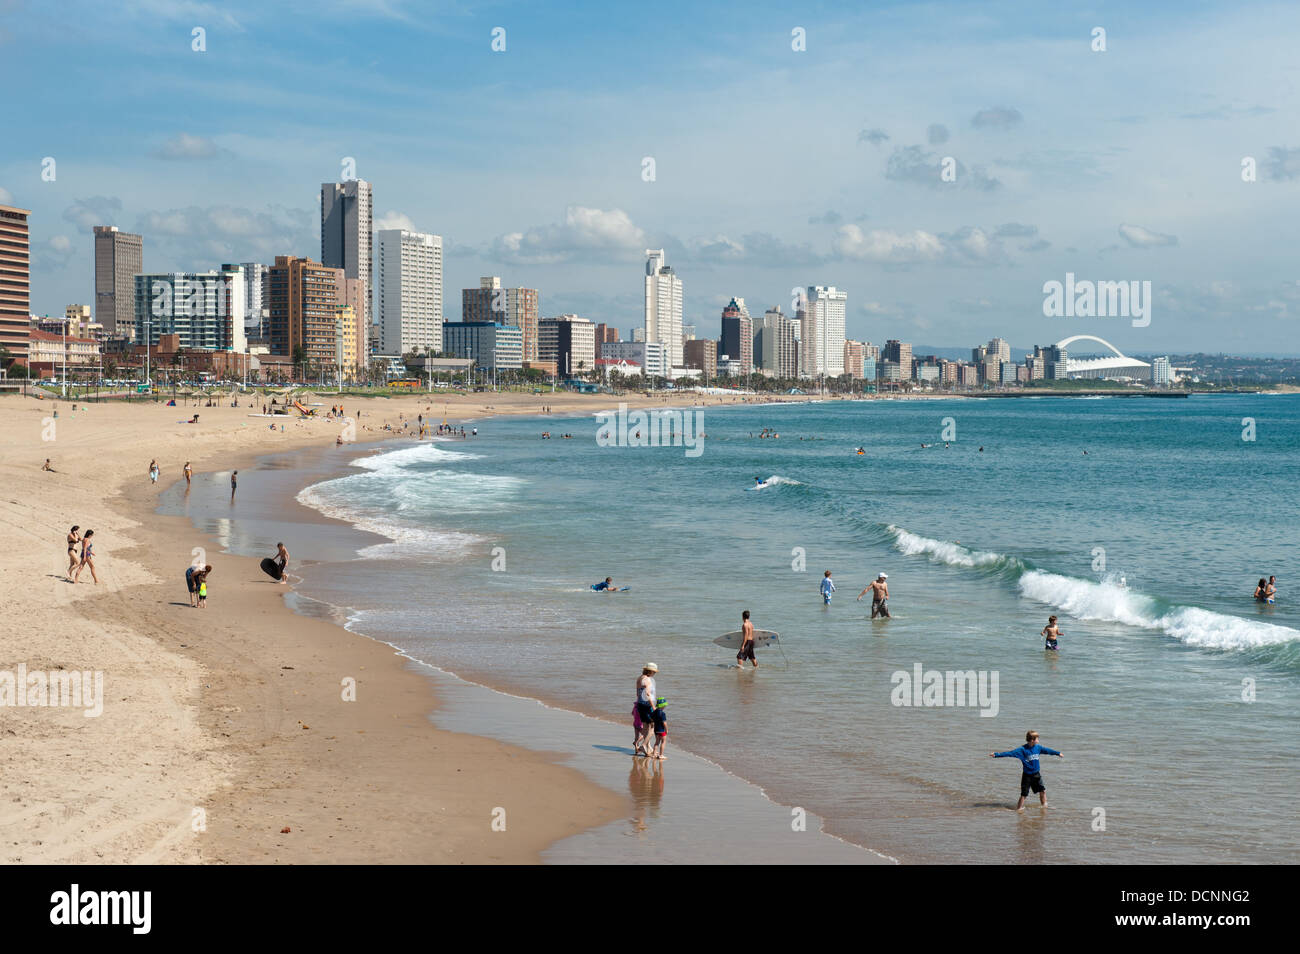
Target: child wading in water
[
  {"x": 828, "y": 588},
  {"x": 661, "y": 728},
  {"x": 1051, "y": 632},
  {"x": 1030, "y": 777}
]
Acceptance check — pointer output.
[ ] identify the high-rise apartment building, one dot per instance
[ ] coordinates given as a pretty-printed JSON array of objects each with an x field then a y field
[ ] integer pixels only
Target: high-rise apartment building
[
  {"x": 254, "y": 298},
  {"x": 776, "y": 344},
  {"x": 899, "y": 353},
  {"x": 701, "y": 353},
  {"x": 15, "y": 282},
  {"x": 408, "y": 291},
  {"x": 649, "y": 355},
  {"x": 827, "y": 306},
  {"x": 304, "y": 298},
  {"x": 663, "y": 306},
  {"x": 569, "y": 342},
  {"x": 738, "y": 335},
  {"x": 1001, "y": 349},
  {"x": 1161, "y": 372},
  {"x": 855, "y": 357},
  {"x": 205, "y": 310},
  {"x": 346, "y": 233},
  {"x": 119, "y": 257},
  {"x": 517, "y": 307}
]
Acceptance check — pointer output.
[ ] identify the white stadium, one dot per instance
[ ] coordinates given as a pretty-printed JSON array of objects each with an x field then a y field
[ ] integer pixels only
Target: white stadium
[{"x": 1101, "y": 365}]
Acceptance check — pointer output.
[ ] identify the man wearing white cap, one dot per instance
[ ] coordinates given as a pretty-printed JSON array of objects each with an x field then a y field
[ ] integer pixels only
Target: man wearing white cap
[{"x": 879, "y": 596}]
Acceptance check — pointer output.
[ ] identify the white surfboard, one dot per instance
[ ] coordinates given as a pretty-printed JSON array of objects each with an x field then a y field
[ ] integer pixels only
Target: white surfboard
[{"x": 762, "y": 638}]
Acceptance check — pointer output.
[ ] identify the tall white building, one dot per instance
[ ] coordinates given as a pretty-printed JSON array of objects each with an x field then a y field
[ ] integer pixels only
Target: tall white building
[
  {"x": 255, "y": 297},
  {"x": 408, "y": 291},
  {"x": 1161, "y": 373},
  {"x": 663, "y": 306},
  {"x": 821, "y": 348}
]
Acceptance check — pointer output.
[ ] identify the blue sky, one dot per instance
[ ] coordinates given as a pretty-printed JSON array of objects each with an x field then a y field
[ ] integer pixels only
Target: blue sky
[{"x": 773, "y": 168}]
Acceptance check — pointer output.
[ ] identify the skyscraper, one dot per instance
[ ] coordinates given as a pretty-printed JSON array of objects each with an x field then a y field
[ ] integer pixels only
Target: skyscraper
[
  {"x": 408, "y": 291},
  {"x": 254, "y": 289},
  {"x": 517, "y": 307},
  {"x": 15, "y": 282},
  {"x": 119, "y": 257},
  {"x": 304, "y": 297},
  {"x": 822, "y": 337},
  {"x": 1001, "y": 348},
  {"x": 899, "y": 353},
  {"x": 204, "y": 309},
  {"x": 346, "y": 233},
  {"x": 738, "y": 335},
  {"x": 663, "y": 307},
  {"x": 776, "y": 345}
]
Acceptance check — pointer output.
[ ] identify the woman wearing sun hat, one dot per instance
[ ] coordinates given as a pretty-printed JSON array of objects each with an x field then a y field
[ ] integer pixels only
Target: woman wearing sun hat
[{"x": 645, "y": 707}]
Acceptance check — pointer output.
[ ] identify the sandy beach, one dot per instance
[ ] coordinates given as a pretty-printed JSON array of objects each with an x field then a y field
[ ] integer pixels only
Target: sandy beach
[{"x": 224, "y": 735}]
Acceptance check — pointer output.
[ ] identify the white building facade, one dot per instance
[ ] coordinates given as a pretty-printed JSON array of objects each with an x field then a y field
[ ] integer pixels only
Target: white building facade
[
  {"x": 663, "y": 307},
  {"x": 408, "y": 291}
]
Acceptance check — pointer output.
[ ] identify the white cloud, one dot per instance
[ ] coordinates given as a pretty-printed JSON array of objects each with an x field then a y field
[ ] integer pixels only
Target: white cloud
[
  {"x": 6, "y": 197},
  {"x": 395, "y": 220},
  {"x": 1138, "y": 237},
  {"x": 882, "y": 245},
  {"x": 587, "y": 234},
  {"x": 58, "y": 251}
]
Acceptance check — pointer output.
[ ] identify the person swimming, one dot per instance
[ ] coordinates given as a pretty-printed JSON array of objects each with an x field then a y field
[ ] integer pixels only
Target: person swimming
[
  {"x": 605, "y": 586},
  {"x": 759, "y": 482}
]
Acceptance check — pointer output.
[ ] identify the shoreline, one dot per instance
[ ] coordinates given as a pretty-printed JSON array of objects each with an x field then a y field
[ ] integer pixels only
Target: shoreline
[
  {"x": 509, "y": 713},
  {"x": 166, "y": 777}
]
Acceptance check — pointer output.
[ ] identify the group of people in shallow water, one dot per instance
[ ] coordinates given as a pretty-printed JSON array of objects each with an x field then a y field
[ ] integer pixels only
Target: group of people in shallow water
[{"x": 1266, "y": 590}]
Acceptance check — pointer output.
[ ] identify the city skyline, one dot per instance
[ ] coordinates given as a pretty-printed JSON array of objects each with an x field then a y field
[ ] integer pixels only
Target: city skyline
[{"x": 1066, "y": 175}]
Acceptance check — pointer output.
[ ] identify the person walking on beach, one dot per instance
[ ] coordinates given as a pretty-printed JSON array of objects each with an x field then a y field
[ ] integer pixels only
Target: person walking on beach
[
  {"x": 1051, "y": 632},
  {"x": 202, "y": 579},
  {"x": 153, "y": 471},
  {"x": 189, "y": 473},
  {"x": 87, "y": 558},
  {"x": 645, "y": 704},
  {"x": 828, "y": 587},
  {"x": 74, "y": 538},
  {"x": 746, "y": 642},
  {"x": 1030, "y": 776},
  {"x": 234, "y": 482},
  {"x": 879, "y": 590},
  {"x": 281, "y": 560}
]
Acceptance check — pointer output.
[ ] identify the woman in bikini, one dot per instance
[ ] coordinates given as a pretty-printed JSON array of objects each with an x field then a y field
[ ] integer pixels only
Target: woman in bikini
[
  {"x": 73, "y": 539},
  {"x": 87, "y": 558}
]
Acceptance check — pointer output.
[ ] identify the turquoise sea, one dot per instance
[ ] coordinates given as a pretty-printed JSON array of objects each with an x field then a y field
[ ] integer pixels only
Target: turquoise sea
[{"x": 1143, "y": 524}]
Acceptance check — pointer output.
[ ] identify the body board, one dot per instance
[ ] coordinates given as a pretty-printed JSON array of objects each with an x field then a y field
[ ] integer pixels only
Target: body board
[
  {"x": 762, "y": 639},
  {"x": 271, "y": 568}
]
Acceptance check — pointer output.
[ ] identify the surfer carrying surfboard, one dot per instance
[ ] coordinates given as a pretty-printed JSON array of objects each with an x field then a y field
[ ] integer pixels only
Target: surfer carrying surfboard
[{"x": 746, "y": 642}]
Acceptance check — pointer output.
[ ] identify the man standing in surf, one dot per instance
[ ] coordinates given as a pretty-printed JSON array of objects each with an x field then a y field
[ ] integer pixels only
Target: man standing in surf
[
  {"x": 879, "y": 590},
  {"x": 746, "y": 642}
]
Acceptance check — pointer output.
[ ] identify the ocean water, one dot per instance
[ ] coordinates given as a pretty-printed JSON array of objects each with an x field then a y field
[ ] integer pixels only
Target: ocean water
[{"x": 1174, "y": 696}]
